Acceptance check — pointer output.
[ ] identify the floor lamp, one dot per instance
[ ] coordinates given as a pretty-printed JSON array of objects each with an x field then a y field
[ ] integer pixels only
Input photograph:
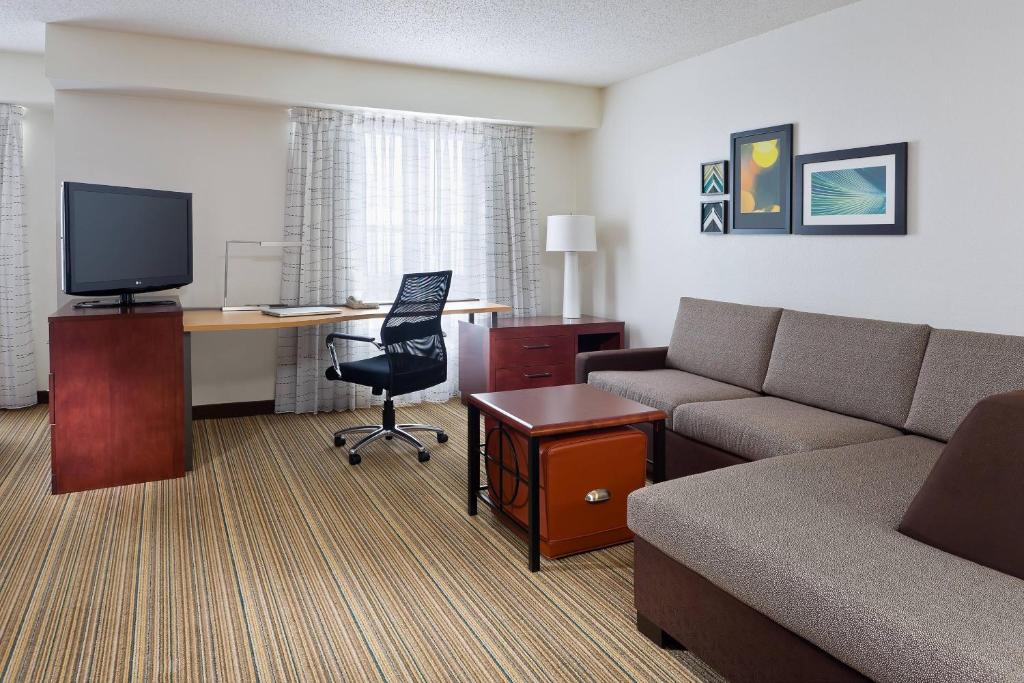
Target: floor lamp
[{"x": 571, "y": 234}]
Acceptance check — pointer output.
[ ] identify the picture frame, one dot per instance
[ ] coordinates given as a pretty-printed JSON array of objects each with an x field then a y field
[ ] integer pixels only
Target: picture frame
[
  {"x": 714, "y": 217},
  {"x": 714, "y": 178},
  {"x": 858, "y": 191},
  {"x": 761, "y": 175}
]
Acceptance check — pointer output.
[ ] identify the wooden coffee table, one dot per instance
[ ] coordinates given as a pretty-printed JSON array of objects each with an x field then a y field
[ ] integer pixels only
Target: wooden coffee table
[{"x": 552, "y": 411}]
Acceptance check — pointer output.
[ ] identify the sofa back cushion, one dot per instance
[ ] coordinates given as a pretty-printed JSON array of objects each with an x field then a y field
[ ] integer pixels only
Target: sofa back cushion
[
  {"x": 859, "y": 367},
  {"x": 960, "y": 368},
  {"x": 724, "y": 341},
  {"x": 971, "y": 504}
]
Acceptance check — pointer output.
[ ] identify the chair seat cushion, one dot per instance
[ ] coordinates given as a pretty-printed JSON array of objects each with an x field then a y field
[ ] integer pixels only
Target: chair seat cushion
[
  {"x": 664, "y": 389},
  {"x": 416, "y": 373},
  {"x": 810, "y": 541},
  {"x": 371, "y": 372},
  {"x": 767, "y": 426}
]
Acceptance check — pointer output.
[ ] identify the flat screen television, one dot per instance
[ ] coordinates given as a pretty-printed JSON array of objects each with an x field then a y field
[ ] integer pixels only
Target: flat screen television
[{"x": 125, "y": 240}]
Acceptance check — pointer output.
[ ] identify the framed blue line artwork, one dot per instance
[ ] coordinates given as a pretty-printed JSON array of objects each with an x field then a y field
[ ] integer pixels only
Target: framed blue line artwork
[{"x": 860, "y": 191}]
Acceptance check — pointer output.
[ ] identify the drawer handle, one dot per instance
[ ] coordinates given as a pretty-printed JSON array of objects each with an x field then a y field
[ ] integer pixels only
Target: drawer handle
[
  {"x": 598, "y": 496},
  {"x": 536, "y": 347},
  {"x": 536, "y": 375}
]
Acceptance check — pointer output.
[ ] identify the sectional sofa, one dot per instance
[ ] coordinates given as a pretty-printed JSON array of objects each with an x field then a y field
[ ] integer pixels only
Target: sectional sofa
[{"x": 808, "y": 436}]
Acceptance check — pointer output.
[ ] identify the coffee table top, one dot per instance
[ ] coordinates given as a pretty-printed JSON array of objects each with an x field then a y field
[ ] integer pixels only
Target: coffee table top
[{"x": 563, "y": 409}]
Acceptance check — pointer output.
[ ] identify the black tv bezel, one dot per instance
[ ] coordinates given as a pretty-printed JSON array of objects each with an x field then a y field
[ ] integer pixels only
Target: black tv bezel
[{"x": 128, "y": 286}]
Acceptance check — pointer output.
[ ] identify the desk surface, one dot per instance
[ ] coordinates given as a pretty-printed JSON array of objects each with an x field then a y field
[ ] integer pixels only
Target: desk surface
[{"x": 216, "y": 320}]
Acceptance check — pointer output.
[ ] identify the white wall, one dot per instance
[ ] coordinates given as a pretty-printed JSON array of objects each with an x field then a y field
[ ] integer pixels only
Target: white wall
[
  {"x": 555, "y": 167},
  {"x": 941, "y": 74},
  {"x": 232, "y": 158},
  {"x": 84, "y": 58},
  {"x": 23, "y": 80}
]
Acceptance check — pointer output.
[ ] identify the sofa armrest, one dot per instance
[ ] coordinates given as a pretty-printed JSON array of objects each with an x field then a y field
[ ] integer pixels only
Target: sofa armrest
[{"x": 620, "y": 359}]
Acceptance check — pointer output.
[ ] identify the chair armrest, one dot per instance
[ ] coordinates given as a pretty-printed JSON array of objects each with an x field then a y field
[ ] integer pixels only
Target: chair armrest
[
  {"x": 350, "y": 337},
  {"x": 620, "y": 359}
]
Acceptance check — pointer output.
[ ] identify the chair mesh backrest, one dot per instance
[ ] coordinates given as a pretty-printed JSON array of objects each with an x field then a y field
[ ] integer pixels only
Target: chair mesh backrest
[{"x": 411, "y": 333}]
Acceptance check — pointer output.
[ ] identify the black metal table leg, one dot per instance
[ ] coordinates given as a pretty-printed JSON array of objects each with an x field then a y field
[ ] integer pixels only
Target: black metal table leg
[
  {"x": 473, "y": 478},
  {"x": 659, "y": 451},
  {"x": 534, "y": 503}
]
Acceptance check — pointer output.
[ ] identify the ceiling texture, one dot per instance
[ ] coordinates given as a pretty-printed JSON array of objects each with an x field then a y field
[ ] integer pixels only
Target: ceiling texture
[{"x": 586, "y": 42}]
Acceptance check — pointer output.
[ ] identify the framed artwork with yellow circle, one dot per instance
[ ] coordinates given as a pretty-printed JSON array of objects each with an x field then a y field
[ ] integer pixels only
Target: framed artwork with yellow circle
[{"x": 761, "y": 170}]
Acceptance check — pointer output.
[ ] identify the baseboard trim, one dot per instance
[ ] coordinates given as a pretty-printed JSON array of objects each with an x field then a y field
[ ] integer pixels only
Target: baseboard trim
[{"x": 212, "y": 411}]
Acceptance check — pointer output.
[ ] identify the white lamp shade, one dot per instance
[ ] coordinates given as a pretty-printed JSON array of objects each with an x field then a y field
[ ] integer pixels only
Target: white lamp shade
[{"x": 571, "y": 233}]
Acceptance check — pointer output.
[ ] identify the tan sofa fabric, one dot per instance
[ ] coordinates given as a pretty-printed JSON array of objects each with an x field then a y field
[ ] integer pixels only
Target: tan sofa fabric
[
  {"x": 810, "y": 541},
  {"x": 961, "y": 368},
  {"x": 724, "y": 341},
  {"x": 766, "y": 426},
  {"x": 855, "y": 366},
  {"x": 664, "y": 389}
]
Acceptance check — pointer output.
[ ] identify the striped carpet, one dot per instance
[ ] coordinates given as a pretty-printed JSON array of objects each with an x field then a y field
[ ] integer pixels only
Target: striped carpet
[{"x": 276, "y": 561}]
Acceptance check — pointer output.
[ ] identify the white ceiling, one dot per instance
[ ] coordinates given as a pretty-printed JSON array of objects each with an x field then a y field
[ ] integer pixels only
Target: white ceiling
[{"x": 589, "y": 42}]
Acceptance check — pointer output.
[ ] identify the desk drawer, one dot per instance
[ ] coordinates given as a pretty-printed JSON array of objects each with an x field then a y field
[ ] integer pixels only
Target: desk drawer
[
  {"x": 514, "y": 353},
  {"x": 507, "y": 379}
]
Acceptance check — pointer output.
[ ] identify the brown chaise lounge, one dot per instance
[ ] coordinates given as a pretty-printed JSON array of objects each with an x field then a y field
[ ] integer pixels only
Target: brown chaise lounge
[{"x": 790, "y": 567}]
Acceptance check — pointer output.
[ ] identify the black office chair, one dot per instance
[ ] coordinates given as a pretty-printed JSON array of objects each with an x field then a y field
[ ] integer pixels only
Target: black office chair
[{"x": 414, "y": 359}]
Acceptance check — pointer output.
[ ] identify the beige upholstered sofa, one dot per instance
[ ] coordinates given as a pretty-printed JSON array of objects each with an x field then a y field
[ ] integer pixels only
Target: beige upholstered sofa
[{"x": 789, "y": 566}]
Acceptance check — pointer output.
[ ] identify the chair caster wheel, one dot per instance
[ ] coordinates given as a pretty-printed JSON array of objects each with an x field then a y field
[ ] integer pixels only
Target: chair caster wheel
[
  {"x": 423, "y": 456},
  {"x": 339, "y": 441},
  {"x": 388, "y": 437},
  {"x": 354, "y": 459},
  {"x": 442, "y": 437}
]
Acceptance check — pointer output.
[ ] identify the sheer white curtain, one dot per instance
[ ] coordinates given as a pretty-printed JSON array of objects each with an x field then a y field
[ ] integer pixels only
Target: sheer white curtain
[
  {"x": 371, "y": 197},
  {"x": 17, "y": 364}
]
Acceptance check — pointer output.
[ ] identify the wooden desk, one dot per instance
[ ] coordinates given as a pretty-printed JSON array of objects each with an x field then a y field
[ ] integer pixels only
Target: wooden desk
[{"x": 216, "y": 320}]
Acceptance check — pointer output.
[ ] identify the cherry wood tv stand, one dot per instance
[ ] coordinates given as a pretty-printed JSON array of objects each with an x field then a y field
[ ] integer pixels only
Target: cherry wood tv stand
[{"x": 117, "y": 396}]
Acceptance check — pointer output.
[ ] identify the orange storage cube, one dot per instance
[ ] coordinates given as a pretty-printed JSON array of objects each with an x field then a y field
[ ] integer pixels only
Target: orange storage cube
[{"x": 585, "y": 479}]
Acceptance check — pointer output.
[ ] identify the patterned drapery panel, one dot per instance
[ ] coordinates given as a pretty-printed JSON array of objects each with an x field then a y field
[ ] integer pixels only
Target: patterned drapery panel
[
  {"x": 373, "y": 196},
  {"x": 17, "y": 364}
]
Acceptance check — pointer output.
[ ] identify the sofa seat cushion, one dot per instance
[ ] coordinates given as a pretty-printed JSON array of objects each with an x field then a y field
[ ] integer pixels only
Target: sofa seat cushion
[
  {"x": 664, "y": 389},
  {"x": 763, "y": 427},
  {"x": 810, "y": 541}
]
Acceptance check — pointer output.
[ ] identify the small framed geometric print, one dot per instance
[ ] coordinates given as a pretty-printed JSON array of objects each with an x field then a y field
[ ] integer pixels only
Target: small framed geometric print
[
  {"x": 713, "y": 177},
  {"x": 713, "y": 217},
  {"x": 860, "y": 191}
]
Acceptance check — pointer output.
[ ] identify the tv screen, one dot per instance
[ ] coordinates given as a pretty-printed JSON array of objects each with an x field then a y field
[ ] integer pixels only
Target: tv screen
[{"x": 120, "y": 240}]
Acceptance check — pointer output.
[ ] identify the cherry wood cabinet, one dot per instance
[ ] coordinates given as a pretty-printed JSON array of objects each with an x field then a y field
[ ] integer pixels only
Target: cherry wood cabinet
[
  {"x": 117, "y": 396},
  {"x": 524, "y": 353}
]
